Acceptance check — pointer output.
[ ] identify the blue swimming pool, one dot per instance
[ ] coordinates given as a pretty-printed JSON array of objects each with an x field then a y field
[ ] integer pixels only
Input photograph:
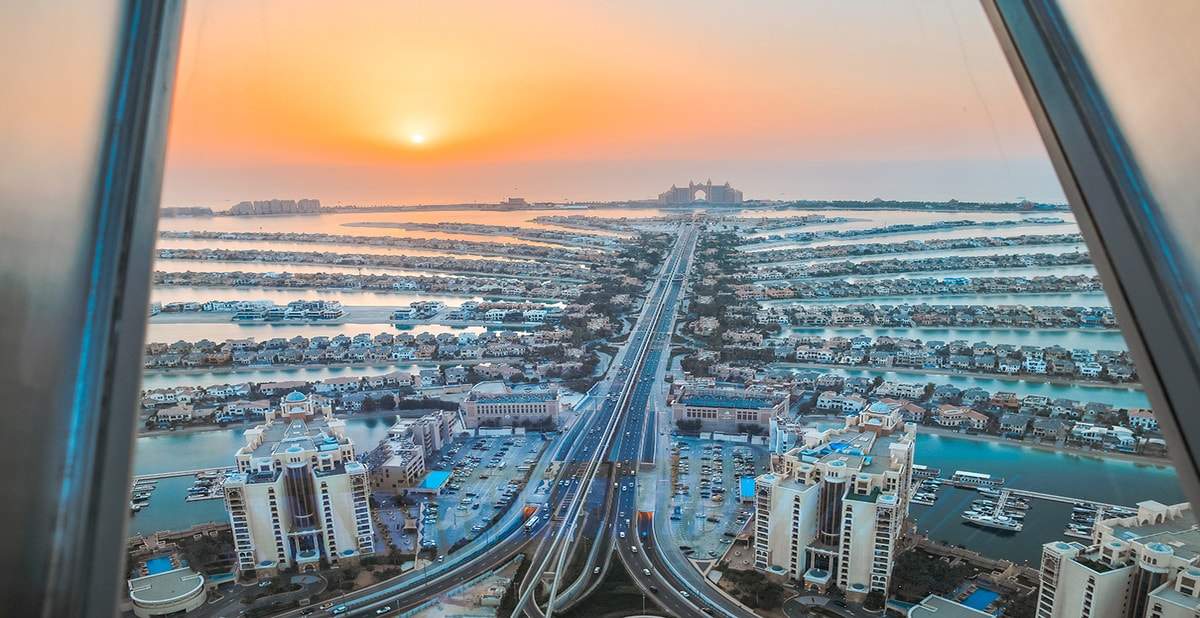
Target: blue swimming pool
[
  {"x": 161, "y": 564},
  {"x": 980, "y": 599}
]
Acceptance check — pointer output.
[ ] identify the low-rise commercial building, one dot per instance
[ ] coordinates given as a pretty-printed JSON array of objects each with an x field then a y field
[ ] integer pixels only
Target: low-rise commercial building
[
  {"x": 495, "y": 404},
  {"x": 166, "y": 593},
  {"x": 728, "y": 409}
]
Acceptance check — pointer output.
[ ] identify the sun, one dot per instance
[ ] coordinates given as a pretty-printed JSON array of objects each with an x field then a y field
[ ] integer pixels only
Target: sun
[{"x": 418, "y": 139}]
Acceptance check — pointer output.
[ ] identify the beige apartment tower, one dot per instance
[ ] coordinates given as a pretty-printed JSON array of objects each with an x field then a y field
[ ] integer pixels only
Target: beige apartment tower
[
  {"x": 298, "y": 498},
  {"x": 833, "y": 507},
  {"x": 1142, "y": 566}
]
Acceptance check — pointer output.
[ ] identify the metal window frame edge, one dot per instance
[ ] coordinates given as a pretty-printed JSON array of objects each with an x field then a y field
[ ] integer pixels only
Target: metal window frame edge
[
  {"x": 1116, "y": 211},
  {"x": 91, "y": 522}
]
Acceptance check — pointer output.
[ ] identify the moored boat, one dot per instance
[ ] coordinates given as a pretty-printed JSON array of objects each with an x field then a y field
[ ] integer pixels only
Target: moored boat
[{"x": 998, "y": 522}]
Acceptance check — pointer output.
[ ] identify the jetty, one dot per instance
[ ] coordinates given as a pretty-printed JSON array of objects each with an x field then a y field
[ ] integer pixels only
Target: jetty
[
  {"x": 166, "y": 475},
  {"x": 1067, "y": 499}
]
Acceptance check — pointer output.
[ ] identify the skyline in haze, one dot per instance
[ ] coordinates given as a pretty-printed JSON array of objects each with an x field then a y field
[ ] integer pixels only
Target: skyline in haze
[{"x": 381, "y": 103}]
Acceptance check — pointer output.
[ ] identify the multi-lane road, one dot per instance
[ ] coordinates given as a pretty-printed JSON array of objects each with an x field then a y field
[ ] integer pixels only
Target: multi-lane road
[{"x": 604, "y": 459}]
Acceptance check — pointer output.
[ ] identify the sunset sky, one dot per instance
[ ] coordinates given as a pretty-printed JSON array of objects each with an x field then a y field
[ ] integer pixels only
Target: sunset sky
[{"x": 376, "y": 102}]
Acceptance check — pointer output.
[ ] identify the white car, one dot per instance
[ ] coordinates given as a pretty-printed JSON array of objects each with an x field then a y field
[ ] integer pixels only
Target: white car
[{"x": 684, "y": 594}]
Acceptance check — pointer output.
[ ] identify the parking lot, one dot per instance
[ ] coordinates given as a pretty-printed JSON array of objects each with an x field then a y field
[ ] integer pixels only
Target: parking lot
[
  {"x": 487, "y": 474},
  {"x": 706, "y": 513}
]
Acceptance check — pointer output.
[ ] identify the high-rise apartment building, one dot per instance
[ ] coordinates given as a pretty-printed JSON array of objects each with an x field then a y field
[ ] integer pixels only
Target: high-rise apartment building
[
  {"x": 833, "y": 507},
  {"x": 1142, "y": 566},
  {"x": 299, "y": 497}
]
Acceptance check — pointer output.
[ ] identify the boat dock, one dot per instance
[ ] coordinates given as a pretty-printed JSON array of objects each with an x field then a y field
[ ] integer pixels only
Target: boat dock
[
  {"x": 1066, "y": 499},
  {"x": 166, "y": 475},
  {"x": 977, "y": 481}
]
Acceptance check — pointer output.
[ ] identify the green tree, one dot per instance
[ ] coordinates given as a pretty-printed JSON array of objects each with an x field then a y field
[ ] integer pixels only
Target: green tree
[
  {"x": 368, "y": 404},
  {"x": 874, "y": 601},
  {"x": 388, "y": 402}
]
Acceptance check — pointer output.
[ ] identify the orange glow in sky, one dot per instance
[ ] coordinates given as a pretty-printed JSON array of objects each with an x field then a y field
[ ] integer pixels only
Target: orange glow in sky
[{"x": 395, "y": 102}]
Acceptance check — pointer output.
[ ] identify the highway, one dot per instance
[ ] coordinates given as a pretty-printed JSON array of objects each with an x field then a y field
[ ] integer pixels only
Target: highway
[
  {"x": 620, "y": 438},
  {"x": 615, "y": 435}
]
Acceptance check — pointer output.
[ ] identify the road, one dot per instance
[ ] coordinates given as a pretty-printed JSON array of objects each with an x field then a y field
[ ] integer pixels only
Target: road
[{"x": 606, "y": 458}]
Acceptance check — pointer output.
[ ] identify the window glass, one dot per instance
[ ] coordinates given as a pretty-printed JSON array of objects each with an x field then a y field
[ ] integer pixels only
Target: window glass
[{"x": 788, "y": 291}]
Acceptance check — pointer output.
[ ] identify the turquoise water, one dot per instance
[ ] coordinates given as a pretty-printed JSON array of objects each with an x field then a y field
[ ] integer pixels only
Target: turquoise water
[
  {"x": 161, "y": 564},
  {"x": 179, "y": 294},
  {"x": 308, "y": 374},
  {"x": 1089, "y": 338},
  {"x": 1024, "y": 467},
  {"x": 980, "y": 599},
  {"x": 238, "y": 245},
  {"x": 1118, "y": 397}
]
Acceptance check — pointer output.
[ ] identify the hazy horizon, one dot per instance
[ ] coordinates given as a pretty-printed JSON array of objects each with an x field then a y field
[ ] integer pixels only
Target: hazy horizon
[{"x": 373, "y": 103}]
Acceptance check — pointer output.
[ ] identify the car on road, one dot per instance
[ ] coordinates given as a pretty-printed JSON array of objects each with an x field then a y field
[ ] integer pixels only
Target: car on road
[
  {"x": 654, "y": 589},
  {"x": 596, "y": 570},
  {"x": 684, "y": 594},
  {"x": 383, "y": 610},
  {"x": 633, "y": 549},
  {"x": 646, "y": 572}
]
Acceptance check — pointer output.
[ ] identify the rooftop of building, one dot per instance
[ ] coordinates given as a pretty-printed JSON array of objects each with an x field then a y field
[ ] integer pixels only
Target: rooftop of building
[
  {"x": 934, "y": 606},
  {"x": 435, "y": 479},
  {"x": 499, "y": 392},
  {"x": 311, "y": 435},
  {"x": 166, "y": 586},
  {"x": 866, "y": 451},
  {"x": 1168, "y": 594},
  {"x": 1181, "y": 535},
  {"x": 739, "y": 402}
]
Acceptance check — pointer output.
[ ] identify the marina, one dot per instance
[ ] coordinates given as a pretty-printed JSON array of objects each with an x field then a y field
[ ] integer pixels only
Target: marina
[
  {"x": 1005, "y": 510},
  {"x": 145, "y": 479}
]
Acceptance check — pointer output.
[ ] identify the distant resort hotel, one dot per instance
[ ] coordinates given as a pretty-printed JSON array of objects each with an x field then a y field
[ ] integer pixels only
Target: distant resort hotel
[{"x": 713, "y": 194}]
